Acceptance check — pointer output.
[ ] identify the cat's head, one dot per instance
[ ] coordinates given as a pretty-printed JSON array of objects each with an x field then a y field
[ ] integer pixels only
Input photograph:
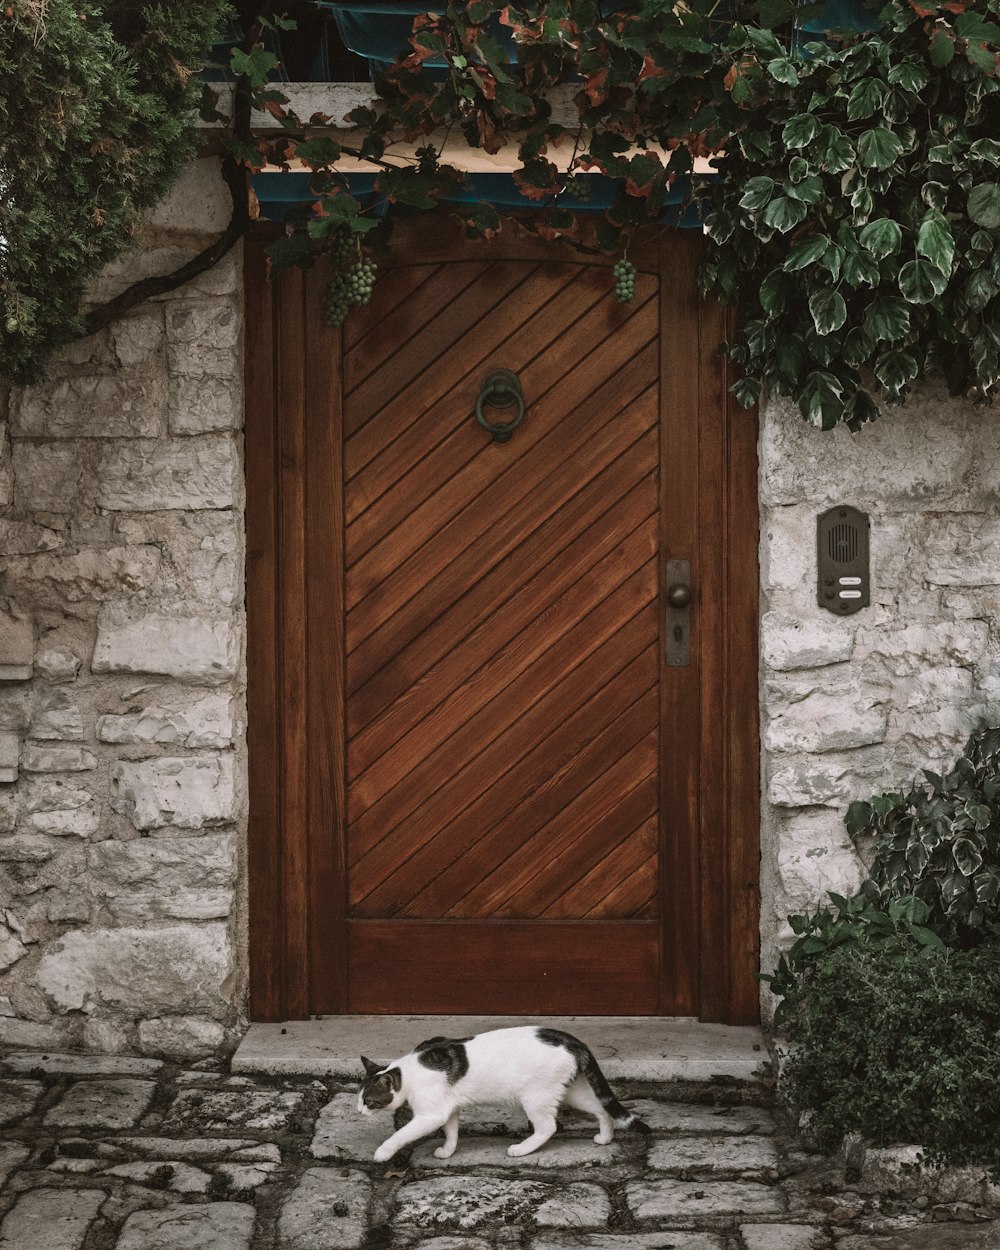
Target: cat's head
[{"x": 382, "y": 1087}]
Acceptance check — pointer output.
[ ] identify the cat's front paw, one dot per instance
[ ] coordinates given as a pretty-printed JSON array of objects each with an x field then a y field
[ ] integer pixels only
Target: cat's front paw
[
  {"x": 383, "y": 1154},
  {"x": 519, "y": 1148},
  {"x": 444, "y": 1152},
  {"x": 602, "y": 1139}
]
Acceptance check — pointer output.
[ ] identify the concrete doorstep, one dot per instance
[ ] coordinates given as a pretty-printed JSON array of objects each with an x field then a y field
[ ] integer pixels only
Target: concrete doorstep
[{"x": 633, "y": 1048}]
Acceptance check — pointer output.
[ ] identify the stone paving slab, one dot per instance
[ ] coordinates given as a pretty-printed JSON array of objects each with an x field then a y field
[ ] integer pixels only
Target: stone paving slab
[
  {"x": 715, "y": 1154},
  {"x": 17, "y": 1099},
  {"x": 80, "y": 1065},
  {"x": 50, "y": 1219},
  {"x": 115, "y": 1104},
  {"x": 234, "y": 1163},
  {"x": 691, "y": 1200},
  {"x": 670, "y": 1117},
  {"x": 213, "y": 1226},
  {"x": 474, "y": 1152}
]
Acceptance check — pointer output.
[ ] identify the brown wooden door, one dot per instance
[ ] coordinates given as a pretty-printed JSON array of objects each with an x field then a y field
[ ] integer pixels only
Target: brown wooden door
[{"x": 481, "y": 793}]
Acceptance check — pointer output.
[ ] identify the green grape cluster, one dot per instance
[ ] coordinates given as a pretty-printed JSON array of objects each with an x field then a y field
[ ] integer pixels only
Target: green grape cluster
[
  {"x": 578, "y": 189},
  {"x": 342, "y": 246},
  {"x": 347, "y": 287},
  {"x": 624, "y": 272}
]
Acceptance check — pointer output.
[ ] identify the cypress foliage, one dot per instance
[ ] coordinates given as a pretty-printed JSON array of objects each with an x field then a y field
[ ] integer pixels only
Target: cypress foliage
[{"x": 96, "y": 106}]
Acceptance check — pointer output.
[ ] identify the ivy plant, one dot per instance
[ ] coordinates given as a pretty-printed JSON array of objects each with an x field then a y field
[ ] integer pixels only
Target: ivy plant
[{"x": 855, "y": 211}]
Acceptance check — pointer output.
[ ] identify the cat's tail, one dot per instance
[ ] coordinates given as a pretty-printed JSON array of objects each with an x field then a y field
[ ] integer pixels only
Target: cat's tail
[{"x": 598, "y": 1082}]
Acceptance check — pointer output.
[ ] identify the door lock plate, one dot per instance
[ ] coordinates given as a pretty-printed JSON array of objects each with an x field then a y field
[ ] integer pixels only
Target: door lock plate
[{"x": 677, "y": 620}]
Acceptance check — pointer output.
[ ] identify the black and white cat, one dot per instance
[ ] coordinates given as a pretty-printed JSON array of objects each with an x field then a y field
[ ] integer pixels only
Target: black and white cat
[{"x": 536, "y": 1067}]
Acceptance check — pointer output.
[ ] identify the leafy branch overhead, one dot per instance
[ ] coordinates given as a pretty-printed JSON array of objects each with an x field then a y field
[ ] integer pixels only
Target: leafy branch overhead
[{"x": 856, "y": 210}]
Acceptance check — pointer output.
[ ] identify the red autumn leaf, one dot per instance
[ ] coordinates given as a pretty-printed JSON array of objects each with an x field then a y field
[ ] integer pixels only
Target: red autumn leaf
[
  {"x": 650, "y": 69},
  {"x": 595, "y": 87},
  {"x": 488, "y": 84},
  {"x": 731, "y": 75}
]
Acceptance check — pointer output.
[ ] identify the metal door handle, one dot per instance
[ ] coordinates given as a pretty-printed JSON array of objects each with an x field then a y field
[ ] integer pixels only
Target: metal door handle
[{"x": 679, "y": 595}]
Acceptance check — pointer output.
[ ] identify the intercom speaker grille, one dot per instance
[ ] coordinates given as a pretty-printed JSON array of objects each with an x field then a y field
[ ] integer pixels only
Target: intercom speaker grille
[{"x": 843, "y": 543}]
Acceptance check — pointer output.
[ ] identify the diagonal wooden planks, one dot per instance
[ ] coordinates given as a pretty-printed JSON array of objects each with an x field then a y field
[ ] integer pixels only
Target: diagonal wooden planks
[{"x": 502, "y": 668}]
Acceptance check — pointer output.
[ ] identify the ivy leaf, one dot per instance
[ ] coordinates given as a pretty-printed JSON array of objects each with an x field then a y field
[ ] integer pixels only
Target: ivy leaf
[
  {"x": 865, "y": 100},
  {"x": 747, "y": 391},
  {"x": 968, "y": 860},
  {"x": 979, "y": 290},
  {"x": 809, "y": 190},
  {"x": 800, "y": 130},
  {"x": 757, "y": 193},
  {"x": 806, "y": 252},
  {"x": 829, "y": 311},
  {"x": 773, "y": 291},
  {"x": 882, "y": 237},
  {"x": 887, "y": 319},
  {"x": 782, "y": 70},
  {"x": 920, "y": 281},
  {"x": 894, "y": 369},
  {"x": 318, "y": 152},
  {"x": 256, "y": 64},
  {"x": 288, "y": 252},
  {"x": 910, "y": 75},
  {"x": 860, "y": 269},
  {"x": 986, "y": 150},
  {"x": 879, "y": 148},
  {"x": 935, "y": 241},
  {"x": 942, "y": 49},
  {"x": 821, "y": 400},
  {"x": 984, "y": 205},
  {"x": 784, "y": 213}
]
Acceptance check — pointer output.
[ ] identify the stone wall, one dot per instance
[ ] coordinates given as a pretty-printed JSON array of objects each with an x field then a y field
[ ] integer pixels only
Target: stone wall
[
  {"x": 854, "y": 705},
  {"x": 122, "y": 769}
]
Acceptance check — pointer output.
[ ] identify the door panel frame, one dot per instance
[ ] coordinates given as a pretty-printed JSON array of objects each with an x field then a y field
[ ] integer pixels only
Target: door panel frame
[{"x": 295, "y": 605}]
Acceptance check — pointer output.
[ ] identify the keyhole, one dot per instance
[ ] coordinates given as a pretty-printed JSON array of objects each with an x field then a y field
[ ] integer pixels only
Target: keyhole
[{"x": 678, "y": 633}]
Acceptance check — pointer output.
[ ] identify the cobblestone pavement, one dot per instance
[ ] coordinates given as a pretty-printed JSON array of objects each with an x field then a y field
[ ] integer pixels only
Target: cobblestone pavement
[{"x": 100, "y": 1153}]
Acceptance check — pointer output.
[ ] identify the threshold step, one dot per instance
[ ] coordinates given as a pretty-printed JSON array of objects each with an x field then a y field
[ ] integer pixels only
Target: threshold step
[{"x": 634, "y": 1048}]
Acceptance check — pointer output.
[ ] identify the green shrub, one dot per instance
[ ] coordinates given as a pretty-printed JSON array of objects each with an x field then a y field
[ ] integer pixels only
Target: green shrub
[
  {"x": 941, "y": 842},
  {"x": 901, "y": 1042}
]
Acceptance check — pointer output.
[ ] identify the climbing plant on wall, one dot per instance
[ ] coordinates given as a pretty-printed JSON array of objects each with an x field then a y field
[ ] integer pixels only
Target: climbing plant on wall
[
  {"x": 96, "y": 101},
  {"x": 856, "y": 209}
]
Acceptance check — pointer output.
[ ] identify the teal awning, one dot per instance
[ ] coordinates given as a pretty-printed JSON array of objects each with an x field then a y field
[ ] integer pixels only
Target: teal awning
[{"x": 278, "y": 192}]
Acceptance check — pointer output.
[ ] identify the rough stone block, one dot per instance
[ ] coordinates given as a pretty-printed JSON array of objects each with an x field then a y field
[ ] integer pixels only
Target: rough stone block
[
  {"x": 165, "y": 879},
  {"x": 83, "y": 1065},
  {"x": 804, "y": 642},
  {"x": 828, "y": 780},
  {"x": 130, "y": 402},
  {"x": 105, "y": 1036},
  {"x": 576, "y": 1206},
  {"x": 148, "y": 257},
  {"x": 17, "y": 646},
  {"x": 327, "y": 1208},
  {"x": 148, "y": 972},
  {"x": 57, "y": 664},
  {"x": 694, "y": 1200},
  {"x": 198, "y": 202},
  {"x": 55, "y": 717},
  {"x": 51, "y": 1219},
  {"x": 18, "y": 1099},
  {"x": 678, "y": 1117},
  {"x": 207, "y": 326},
  {"x": 341, "y": 1133},
  {"x": 226, "y": 1110},
  {"x": 788, "y": 552},
  {"x": 190, "y": 648},
  {"x": 627, "y": 1241},
  {"x": 203, "y": 722},
  {"x": 53, "y": 476},
  {"x": 492, "y": 1152},
  {"x": 182, "y": 1178},
  {"x": 26, "y": 848},
  {"x": 147, "y": 475},
  {"x": 111, "y": 1104},
  {"x": 202, "y": 403},
  {"x": 714, "y": 1154},
  {"x": 180, "y": 1037},
  {"x": 208, "y": 1226},
  {"x": 76, "y": 822},
  {"x": 56, "y": 759},
  {"x": 783, "y": 1237},
  {"x": 184, "y": 793},
  {"x": 10, "y": 750},
  {"x": 961, "y": 550},
  {"x": 11, "y": 948},
  {"x": 467, "y": 1202},
  {"x": 56, "y": 579},
  {"x": 906, "y": 650},
  {"x": 202, "y": 553},
  {"x": 827, "y": 722},
  {"x": 815, "y": 856}
]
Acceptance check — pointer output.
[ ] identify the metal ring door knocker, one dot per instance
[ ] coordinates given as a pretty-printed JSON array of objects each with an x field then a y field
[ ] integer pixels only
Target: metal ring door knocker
[{"x": 501, "y": 389}]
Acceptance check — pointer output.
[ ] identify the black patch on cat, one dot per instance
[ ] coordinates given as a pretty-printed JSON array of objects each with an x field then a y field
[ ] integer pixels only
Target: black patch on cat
[
  {"x": 587, "y": 1067},
  {"x": 444, "y": 1054},
  {"x": 380, "y": 1086}
]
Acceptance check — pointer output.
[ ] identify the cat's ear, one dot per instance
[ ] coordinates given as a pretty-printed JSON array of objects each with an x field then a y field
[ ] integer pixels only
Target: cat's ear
[{"x": 371, "y": 1068}]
